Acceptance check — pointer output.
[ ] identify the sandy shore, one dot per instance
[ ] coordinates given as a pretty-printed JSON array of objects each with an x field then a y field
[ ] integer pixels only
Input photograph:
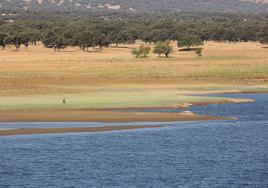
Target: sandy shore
[
  {"x": 226, "y": 101},
  {"x": 86, "y": 115},
  {"x": 70, "y": 130}
]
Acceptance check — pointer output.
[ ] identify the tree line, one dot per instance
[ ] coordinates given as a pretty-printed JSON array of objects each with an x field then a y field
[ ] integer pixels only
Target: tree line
[{"x": 102, "y": 33}]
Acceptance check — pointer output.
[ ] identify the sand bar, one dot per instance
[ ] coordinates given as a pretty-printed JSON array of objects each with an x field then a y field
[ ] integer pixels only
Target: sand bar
[
  {"x": 70, "y": 130},
  {"x": 86, "y": 115}
]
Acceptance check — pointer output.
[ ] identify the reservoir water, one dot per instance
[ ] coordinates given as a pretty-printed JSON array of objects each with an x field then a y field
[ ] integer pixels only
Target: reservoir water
[{"x": 231, "y": 154}]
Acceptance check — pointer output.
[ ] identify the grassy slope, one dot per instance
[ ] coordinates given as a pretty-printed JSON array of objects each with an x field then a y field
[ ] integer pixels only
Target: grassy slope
[{"x": 39, "y": 78}]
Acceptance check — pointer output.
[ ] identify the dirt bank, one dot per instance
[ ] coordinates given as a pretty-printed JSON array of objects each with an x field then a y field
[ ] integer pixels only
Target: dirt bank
[
  {"x": 86, "y": 115},
  {"x": 70, "y": 130}
]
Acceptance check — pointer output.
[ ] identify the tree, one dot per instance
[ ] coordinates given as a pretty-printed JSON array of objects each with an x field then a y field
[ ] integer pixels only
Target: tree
[
  {"x": 121, "y": 37},
  {"x": 16, "y": 40},
  {"x": 2, "y": 39},
  {"x": 100, "y": 39},
  {"x": 32, "y": 36},
  {"x": 142, "y": 51},
  {"x": 51, "y": 40},
  {"x": 163, "y": 48},
  {"x": 8, "y": 40},
  {"x": 263, "y": 36},
  {"x": 71, "y": 34},
  {"x": 159, "y": 35},
  {"x": 189, "y": 40},
  {"x": 230, "y": 35},
  {"x": 84, "y": 40},
  {"x": 134, "y": 32},
  {"x": 25, "y": 40}
]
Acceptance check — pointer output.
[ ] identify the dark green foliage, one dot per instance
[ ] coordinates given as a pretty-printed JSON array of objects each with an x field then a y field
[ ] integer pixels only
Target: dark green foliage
[
  {"x": 32, "y": 36},
  {"x": 71, "y": 34},
  {"x": 230, "y": 35},
  {"x": 163, "y": 48},
  {"x": 263, "y": 36},
  {"x": 189, "y": 40},
  {"x": 2, "y": 39},
  {"x": 159, "y": 35},
  {"x": 190, "y": 29},
  {"x": 100, "y": 39},
  {"x": 121, "y": 37},
  {"x": 8, "y": 40},
  {"x": 52, "y": 40},
  {"x": 84, "y": 40},
  {"x": 17, "y": 40},
  {"x": 49, "y": 38}
]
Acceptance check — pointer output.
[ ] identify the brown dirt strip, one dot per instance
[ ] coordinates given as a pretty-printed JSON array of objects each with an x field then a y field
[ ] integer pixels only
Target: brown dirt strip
[
  {"x": 85, "y": 115},
  {"x": 70, "y": 130}
]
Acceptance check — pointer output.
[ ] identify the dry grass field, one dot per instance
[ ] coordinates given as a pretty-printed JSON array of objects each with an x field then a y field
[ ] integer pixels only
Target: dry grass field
[{"x": 113, "y": 78}]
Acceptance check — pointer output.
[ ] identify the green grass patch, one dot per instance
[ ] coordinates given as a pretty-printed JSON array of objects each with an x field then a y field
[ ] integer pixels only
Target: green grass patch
[{"x": 99, "y": 100}]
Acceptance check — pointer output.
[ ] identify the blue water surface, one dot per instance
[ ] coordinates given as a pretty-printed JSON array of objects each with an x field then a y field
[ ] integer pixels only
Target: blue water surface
[{"x": 224, "y": 154}]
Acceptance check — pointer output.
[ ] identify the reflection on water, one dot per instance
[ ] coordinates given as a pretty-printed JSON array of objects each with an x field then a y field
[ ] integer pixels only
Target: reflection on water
[{"x": 193, "y": 154}]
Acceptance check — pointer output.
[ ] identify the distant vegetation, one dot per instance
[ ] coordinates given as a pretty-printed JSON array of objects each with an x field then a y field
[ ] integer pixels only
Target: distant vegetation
[{"x": 188, "y": 30}]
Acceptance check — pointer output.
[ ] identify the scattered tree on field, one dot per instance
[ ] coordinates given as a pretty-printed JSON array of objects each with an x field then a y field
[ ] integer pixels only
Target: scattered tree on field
[
  {"x": 142, "y": 51},
  {"x": 163, "y": 48}
]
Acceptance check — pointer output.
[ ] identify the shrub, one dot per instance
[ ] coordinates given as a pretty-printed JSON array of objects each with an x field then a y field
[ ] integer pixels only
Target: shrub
[
  {"x": 198, "y": 52},
  {"x": 163, "y": 48},
  {"x": 141, "y": 52}
]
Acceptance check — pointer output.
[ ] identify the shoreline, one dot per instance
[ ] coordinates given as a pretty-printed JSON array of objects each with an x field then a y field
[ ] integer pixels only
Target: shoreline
[
  {"x": 113, "y": 115},
  {"x": 84, "y": 115},
  {"x": 123, "y": 114},
  {"x": 31, "y": 131}
]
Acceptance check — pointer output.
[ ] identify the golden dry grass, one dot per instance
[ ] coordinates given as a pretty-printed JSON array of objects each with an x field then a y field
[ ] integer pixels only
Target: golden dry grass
[
  {"x": 245, "y": 60},
  {"x": 118, "y": 79}
]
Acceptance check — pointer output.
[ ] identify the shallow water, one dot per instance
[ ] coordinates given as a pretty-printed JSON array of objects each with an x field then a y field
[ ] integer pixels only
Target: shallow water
[
  {"x": 183, "y": 154},
  {"x": 5, "y": 126}
]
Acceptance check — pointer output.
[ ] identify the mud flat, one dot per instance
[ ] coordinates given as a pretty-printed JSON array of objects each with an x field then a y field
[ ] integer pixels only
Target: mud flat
[
  {"x": 86, "y": 115},
  {"x": 70, "y": 130}
]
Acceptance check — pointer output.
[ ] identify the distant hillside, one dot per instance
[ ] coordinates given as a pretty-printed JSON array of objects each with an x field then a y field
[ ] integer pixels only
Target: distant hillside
[{"x": 222, "y": 6}]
